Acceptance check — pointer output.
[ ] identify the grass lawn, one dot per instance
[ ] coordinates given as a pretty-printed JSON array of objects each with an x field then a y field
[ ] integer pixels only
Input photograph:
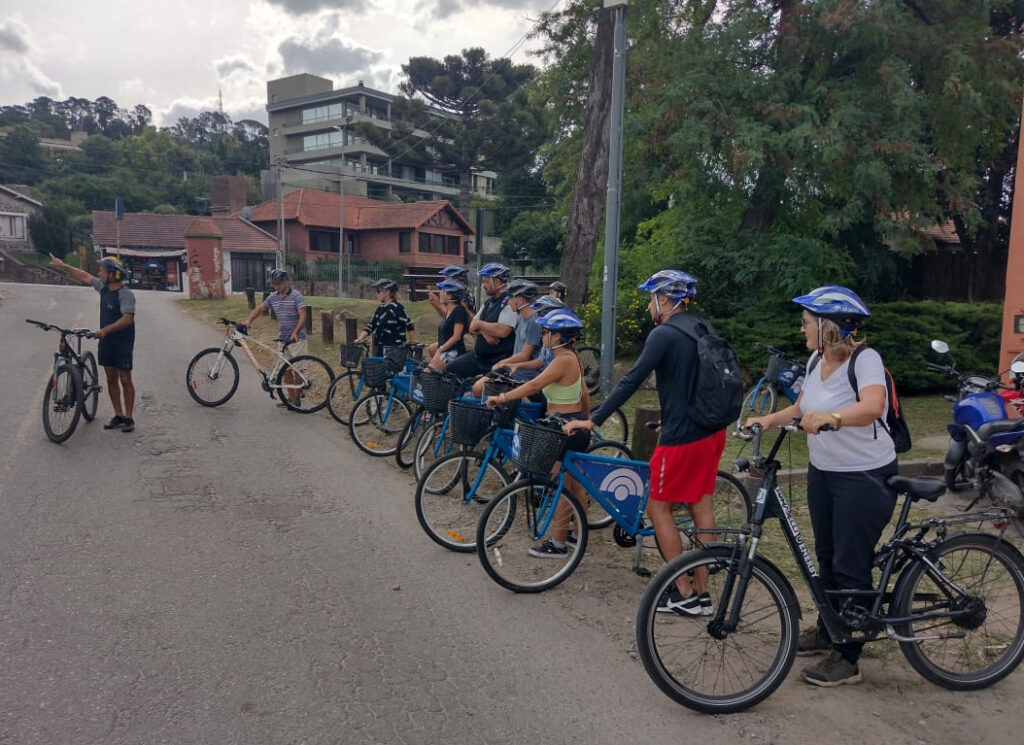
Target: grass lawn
[{"x": 40, "y": 260}]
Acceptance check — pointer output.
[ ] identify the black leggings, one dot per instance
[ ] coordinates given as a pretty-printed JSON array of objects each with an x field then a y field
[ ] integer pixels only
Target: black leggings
[{"x": 849, "y": 510}]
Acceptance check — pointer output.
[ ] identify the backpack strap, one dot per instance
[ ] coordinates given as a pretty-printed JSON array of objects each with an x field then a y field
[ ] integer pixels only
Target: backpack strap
[{"x": 692, "y": 332}]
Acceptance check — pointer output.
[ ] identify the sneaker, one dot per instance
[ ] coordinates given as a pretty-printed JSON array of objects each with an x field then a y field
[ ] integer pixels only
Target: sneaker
[
  {"x": 572, "y": 539},
  {"x": 672, "y": 601},
  {"x": 548, "y": 550},
  {"x": 811, "y": 642},
  {"x": 116, "y": 423},
  {"x": 128, "y": 426},
  {"x": 834, "y": 670},
  {"x": 706, "y": 607}
]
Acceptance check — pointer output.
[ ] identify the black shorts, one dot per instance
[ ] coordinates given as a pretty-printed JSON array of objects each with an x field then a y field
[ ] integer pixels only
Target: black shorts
[
  {"x": 579, "y": 440},
  {"x": 115, "y": 353}
]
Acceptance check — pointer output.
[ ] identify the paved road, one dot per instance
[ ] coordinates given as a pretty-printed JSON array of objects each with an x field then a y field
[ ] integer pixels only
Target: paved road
[{"x": 245, "y": 575}]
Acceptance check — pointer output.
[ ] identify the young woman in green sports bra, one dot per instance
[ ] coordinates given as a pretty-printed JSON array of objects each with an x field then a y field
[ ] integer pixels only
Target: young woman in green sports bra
[{"x": 562, "y": 385}]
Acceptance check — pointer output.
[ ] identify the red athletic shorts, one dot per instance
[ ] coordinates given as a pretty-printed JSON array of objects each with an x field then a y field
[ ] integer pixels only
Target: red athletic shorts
[{"x": 685, "y": 473}]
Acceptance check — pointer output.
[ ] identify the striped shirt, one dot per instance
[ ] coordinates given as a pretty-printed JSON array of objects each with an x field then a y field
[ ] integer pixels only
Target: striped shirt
[{"x": 286, "y": 307}]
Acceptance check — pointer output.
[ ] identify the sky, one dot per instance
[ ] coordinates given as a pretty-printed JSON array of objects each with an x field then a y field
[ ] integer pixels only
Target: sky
[{"x": 175, "y": 57}]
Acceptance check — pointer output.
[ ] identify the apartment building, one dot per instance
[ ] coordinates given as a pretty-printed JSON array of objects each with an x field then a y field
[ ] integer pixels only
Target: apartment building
[{"x": 312, "y": 137}]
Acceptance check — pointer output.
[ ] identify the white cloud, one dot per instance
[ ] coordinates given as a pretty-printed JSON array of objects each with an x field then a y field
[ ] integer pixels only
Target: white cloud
[
  {"x": 229, "y": 65},
  {"x": 441, "y": 9},
  {"x": 15, "y": 64},
  {"x": 302, "y": 7}
]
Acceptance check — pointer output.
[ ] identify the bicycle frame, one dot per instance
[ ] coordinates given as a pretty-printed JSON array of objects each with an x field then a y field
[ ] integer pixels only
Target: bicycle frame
[
  {"x": 237, "y": 339},
  {"x": 851, "y": 624}
]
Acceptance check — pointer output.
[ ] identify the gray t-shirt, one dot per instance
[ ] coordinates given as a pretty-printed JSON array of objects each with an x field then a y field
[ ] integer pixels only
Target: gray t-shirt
[
  {"x": 528, "y": 333},
  {"x": 126, "y": 298}
]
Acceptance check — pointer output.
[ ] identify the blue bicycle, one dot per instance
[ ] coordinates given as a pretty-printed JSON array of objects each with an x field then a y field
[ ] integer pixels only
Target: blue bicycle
[
  {"x": 379, "y": 416},
  {"x": 516, "y": 524},
  {"x": 784, "y": 374}
]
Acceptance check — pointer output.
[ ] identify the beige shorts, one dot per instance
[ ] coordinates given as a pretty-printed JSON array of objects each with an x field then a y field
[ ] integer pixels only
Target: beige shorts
[{"x": 295, "y": 349}]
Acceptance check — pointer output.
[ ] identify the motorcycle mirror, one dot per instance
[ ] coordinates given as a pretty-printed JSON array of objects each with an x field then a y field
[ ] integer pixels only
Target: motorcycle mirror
[
  {"x": 1017, "y": 368},
  {"x": 940, "y": 346}
]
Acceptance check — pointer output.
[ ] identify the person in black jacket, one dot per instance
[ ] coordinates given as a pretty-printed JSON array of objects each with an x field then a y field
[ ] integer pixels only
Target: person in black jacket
[
  {"x": 684, "y": 465},
  {"x": 492, "y": 325}
]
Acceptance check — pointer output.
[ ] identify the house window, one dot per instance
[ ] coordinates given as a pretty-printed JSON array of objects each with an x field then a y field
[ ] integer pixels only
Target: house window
[
  {"x": 323, "y": 241},
  {"x": 438, "y": 244},
  {"x": 12, "y": 226},
  {"x": 453, "y": 245},
  {"x": 425, "y": 243},
  {"x": 404, "y": 242}
]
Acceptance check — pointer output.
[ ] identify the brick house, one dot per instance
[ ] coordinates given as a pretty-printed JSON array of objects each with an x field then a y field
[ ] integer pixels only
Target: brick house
[
  {"x": 424, "y": 236},
  {"x": 178, "y": 253},
  {"x": 15, "y": 208}
]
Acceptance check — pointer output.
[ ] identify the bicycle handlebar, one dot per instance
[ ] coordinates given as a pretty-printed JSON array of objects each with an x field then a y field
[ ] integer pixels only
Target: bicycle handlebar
[{"x": 80, "y": 333}]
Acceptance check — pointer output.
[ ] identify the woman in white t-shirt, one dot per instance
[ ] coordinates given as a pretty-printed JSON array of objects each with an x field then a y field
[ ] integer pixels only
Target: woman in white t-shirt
[{"x": 851, "y": 455}]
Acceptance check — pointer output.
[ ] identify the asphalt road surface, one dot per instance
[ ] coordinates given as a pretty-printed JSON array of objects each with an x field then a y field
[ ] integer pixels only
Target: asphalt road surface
[{"x": 245, "y": 575}]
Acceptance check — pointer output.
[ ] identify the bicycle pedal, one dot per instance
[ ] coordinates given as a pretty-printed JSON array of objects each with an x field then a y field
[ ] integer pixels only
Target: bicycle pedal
[{"x": 642, "y": 571}]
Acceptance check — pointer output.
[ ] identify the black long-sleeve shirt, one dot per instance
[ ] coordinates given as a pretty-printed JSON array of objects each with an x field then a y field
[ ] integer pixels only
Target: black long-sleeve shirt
[
  {"x": 389, "y": 325},
  {"x": 672, "y": 355}
]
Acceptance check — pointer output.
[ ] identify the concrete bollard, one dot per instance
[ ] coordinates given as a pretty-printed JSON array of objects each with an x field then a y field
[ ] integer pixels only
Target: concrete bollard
[
  {"x": 351, "y": 330},
  {"x": 327, "y": 327},
  {"x": 645, "y": 439},
  {"x": 250, "y": 297}
]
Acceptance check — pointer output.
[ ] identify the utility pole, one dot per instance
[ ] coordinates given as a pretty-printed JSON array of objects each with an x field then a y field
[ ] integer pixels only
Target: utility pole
[
  {"x": 341, "y": 211},
  {"x": 280, "y": 215},
  {"x": 610, "y": 278}
]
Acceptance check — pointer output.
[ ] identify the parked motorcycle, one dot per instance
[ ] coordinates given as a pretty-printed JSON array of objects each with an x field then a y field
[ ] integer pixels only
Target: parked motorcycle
[{"x": 987, "y": 448}]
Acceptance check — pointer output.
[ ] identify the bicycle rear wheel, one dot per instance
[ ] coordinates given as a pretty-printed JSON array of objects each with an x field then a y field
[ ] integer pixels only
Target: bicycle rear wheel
[
  {"x": 343, "y": 394},
  {"x": 451, "y": 497},
  {"x": 615, "y": 428},
  {"x": 62, "y": 403},
  {"x": 212, "y": 377},
  {"x": 377, "y": 420},
  {"x": 434, "y": 442},
  {"x": 590, "y": 359},
  {"x": 514, "y": 534},
  {"x": 303, "y": 382},
  {"x": 990, "y": 576},
  {"x": 699, "y": 664},
  {"x": 90, "y": 386}
]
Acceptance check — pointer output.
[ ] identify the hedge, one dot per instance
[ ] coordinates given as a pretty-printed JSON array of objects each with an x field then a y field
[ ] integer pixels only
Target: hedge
[{"x": 902, "y": 333}]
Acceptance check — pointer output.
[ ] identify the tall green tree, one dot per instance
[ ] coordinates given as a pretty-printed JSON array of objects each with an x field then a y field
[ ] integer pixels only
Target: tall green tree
[
  {"x": 21, "y": 159},
  {"x": 50, "y": 229},
  {"x": 485, "y": 122}
]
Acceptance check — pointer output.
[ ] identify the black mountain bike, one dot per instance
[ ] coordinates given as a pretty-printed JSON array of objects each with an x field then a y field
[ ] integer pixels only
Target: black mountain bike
[
  {"x": 955, "y": 603},
  {"x": 73, "y": 389}
]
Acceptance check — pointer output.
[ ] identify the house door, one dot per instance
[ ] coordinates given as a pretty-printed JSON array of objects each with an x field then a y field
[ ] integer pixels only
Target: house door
[{"x": 250, "y": 271}]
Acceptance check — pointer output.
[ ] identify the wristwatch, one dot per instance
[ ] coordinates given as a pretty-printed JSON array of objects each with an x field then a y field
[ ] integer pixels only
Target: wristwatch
[{"x": 837, "y": 419}]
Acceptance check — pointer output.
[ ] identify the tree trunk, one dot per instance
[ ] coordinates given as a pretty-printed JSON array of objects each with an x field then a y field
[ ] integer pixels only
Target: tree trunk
[
  {"x": 465, "y": 178},
  {"x": 588, "y": 199}
]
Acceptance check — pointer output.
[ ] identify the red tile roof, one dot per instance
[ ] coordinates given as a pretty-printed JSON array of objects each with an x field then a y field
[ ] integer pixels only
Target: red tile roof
[
  {"x": 143, "y": 230},
  {"x": 945, "y": 233},
  {"x": 311, "y": 207}
]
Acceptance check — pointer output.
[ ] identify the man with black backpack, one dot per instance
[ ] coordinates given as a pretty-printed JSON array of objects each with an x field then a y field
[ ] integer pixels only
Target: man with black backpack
[{"x": 688, "y": 361}]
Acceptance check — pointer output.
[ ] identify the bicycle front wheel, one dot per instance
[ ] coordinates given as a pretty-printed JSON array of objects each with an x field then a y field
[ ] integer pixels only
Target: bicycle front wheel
[
  {"x": 343, "y": 394},
  {"x": 515, "y": 533},
  {"x": 212, "y": 377},
  {"x": 451, "y": 497},
  {"x": 405, "y": 453},
  {"x": 376, "y": 422},
  {"x": 434, "y": 442},
  {"x": 90, "y": 386},
  {"x": 694, "y": 660},
  {"x": 303, "y": 382},
  {"x": 590, "y": 359},
  {"x": 62, "y": 403},
  {"x": 981, "y": 578},
  {"x": 759, "y": 402}
]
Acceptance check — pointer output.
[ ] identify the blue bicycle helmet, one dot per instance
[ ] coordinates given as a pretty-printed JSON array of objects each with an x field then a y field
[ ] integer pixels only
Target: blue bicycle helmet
[
  {"x": 455, "y": 290},
  {"x": 836, "y": 303},
  {"x": 522, "y": 288},
  {"x": 546, "y": 304},
  {"x": 672, "y": 283},
  {"x": 454, "y": 271},
  {"x": 564, "y": 321},
  {"x": 494, "y": 269}
]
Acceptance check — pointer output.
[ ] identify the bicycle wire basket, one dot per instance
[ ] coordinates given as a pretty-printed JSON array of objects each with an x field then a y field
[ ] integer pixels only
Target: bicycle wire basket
[
  {"x": 540, "y": 445},
  {"x": 350, "y": 355},
  {"x": 376, "y": 372},
  {"x": 395, "y": 358},
  {"x": 469, "y": 421},
  {"x": 505, "y": 413},
  {"x": 776, "y": 364},
  {"x": 438, "y": 390}
]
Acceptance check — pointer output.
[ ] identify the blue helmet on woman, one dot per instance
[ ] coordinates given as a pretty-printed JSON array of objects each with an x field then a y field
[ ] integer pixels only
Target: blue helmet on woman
[
  {"x": 455, "y": 290},
  {"x": 494, "y": 269},
  {"x": 836, "y": 303},
  {"x": 672, "y": 283},
  {"x": 546, "y": 304},
  {"x": 564, "y": 321}
]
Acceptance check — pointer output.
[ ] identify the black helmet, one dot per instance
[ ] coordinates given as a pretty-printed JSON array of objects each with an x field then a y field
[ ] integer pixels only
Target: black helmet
[
  {"x": 278, "y": 275},
  {"x": 385, "y": 284},
  {"x": 114, "y": 267},
  {"x": 545, "y": 304},
  {"x": 560, "y": 288},
  {"x": 522, "y": 288}
]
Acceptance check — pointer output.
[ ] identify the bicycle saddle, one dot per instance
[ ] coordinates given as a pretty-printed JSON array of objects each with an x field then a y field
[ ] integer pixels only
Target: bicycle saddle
[{"x": 918, "y": 487}]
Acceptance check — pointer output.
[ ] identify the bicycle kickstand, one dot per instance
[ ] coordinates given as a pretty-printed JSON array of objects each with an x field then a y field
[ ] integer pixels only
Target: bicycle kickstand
[{"x": 638, "y": 566}]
